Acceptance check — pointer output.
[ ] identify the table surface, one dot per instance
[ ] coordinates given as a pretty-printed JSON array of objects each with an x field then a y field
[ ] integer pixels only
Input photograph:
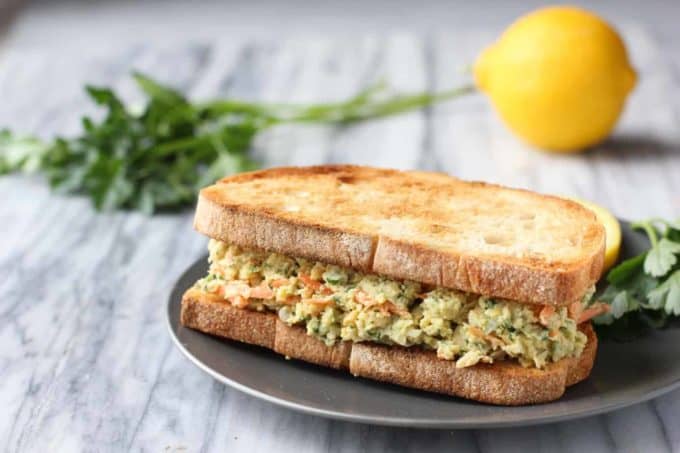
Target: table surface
[{"x": 85, "y": 358}]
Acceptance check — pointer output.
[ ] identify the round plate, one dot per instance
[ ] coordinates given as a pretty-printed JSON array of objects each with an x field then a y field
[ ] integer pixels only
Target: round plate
[{"x": 624, "y": 374}]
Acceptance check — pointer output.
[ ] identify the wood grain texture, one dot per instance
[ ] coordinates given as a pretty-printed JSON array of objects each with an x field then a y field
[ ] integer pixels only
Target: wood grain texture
[{"x": 85, "y": 359}]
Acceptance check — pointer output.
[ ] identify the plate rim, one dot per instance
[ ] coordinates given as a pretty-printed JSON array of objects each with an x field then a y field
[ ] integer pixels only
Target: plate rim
[{"x": 432, "y": 423}]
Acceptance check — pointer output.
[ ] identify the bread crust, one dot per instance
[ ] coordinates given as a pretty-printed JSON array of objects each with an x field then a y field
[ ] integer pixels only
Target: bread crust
[
  {"x": 211, "y": 314},
  {"x": 501, "y": 383},
  {"x": 293, "y": 342},
  {"x": 504, "y": 383},
  {"x": 269, "y": 226}
]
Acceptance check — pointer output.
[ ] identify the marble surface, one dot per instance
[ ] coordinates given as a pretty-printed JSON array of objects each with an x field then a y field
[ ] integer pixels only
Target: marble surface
[{"x": 86, "y": 363}]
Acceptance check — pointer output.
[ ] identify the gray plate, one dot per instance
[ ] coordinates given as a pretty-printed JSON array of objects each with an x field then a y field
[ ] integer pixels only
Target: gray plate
[{"x": 624, "y": 374}]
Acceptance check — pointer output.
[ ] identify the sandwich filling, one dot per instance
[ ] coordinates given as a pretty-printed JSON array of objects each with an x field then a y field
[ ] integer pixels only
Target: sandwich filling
[{"x": 338, "y": 304}]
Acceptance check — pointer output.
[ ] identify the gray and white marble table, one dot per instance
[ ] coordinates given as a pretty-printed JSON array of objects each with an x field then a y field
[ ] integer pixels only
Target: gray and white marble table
[{"x": 86, "y": 363}]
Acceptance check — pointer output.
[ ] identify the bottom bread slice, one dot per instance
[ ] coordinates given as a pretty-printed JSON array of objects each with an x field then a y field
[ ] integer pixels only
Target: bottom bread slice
[{"x": 503, "y": 382}]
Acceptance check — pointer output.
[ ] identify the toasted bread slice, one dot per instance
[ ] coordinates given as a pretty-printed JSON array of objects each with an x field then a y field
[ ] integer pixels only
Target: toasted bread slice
[
  {"x": 427, "y": 227},
  {"x": 503, "y": 383}
]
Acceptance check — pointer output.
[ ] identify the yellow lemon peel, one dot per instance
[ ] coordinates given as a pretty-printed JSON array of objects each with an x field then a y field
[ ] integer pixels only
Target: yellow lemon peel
[
  {"x": 558, "y": 77},
  {"x": 612, "y": 230}
]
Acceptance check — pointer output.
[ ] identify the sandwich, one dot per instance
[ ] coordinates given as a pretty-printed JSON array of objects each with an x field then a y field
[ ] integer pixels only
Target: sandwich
[{"x": 413, "y": 278}]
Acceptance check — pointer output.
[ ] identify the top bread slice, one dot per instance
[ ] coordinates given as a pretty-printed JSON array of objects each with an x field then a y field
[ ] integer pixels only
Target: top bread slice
[{"x": 427, "y": 227}]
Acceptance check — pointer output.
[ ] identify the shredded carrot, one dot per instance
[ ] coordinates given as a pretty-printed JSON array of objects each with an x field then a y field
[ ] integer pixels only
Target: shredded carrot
[
  {"x": 476, "y": 331},
  {"x": 279, "y": 282},
  {"x": 236, "y": 288},
  {"x": 575, "y": 310},
  {"x": 546, "y": 312},
  {"x": 592, "y": 311},
  {"x": 241, "y": 289},
  {"x": 261, "y": 292},
  {"x": 394, "y": 308},
  {"x": 319, "y": 304},
  {"x": 309, "y": 281},
  {"x": 494, "y": 340},
  {"x": 290, "y": 300},
  {"x": 386, "y": 307}
]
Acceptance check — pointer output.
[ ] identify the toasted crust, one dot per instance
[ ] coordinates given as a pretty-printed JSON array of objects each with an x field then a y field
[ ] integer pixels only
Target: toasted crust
[
  {"x": 295, "y": 343},
  {"x": 212, "y": 315},
  {"x": 503, "y": 383},
  {"x": 582, "y": 367},
  {"x": 427, "y": 227}
]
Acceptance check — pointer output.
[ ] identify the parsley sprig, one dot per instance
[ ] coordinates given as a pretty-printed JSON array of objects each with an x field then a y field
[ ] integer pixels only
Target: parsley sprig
[
  {"x": 159, "y": 158},
  {"x": 644, "y": 291}
]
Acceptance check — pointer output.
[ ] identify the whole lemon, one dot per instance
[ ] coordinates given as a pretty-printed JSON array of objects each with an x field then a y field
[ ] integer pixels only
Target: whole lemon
[{"x": 559, "y": 78}]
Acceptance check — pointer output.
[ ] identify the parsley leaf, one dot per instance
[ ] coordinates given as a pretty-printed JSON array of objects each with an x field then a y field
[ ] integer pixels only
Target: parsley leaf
[
  {"x": 626, "y": 269},
  {"x": 159, "y": 158},
  {"x": 623, "y": 303},
  {"x": 644, "y": 291},
  {"x": 673, "y": 232},
  {"x": 627, "y": 295},
  {"x": 667, "y": 295},
  {"x": 661, "y": 258},
  {"x": 20, "y": 153}
]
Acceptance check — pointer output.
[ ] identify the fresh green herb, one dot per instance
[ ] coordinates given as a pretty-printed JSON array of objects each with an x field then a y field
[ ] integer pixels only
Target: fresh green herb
[
  {"x": 644, "y": 291},
  {"x": 334, "y": 277},
  {"x": 667, "y": 295},
  {"x": 20, "y": 153},
  {"x": 159, "y": 158}
]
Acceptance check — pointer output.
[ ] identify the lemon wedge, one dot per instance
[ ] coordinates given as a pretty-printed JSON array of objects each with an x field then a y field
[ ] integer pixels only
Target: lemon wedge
[{"x": 612, "y": 230}]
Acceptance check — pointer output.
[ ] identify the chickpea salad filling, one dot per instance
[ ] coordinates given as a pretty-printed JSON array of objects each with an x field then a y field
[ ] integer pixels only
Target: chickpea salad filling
[{"x": 338, "y": 304}]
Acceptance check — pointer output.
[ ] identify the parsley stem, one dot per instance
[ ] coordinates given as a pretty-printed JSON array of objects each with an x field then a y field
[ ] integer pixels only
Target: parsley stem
[
  {"x": 362, "y": 106},
  {"x": 647, "y": 226},
  {"x": 275, "y": 111},
  {"x": 377, "y": 109},
  {"x": 166, "y": 149},
  {"x": 667, "y": 224}
]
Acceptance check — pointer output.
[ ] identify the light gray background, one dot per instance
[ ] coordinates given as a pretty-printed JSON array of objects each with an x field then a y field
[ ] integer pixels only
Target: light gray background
[{"x": 85, "y": 361}]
